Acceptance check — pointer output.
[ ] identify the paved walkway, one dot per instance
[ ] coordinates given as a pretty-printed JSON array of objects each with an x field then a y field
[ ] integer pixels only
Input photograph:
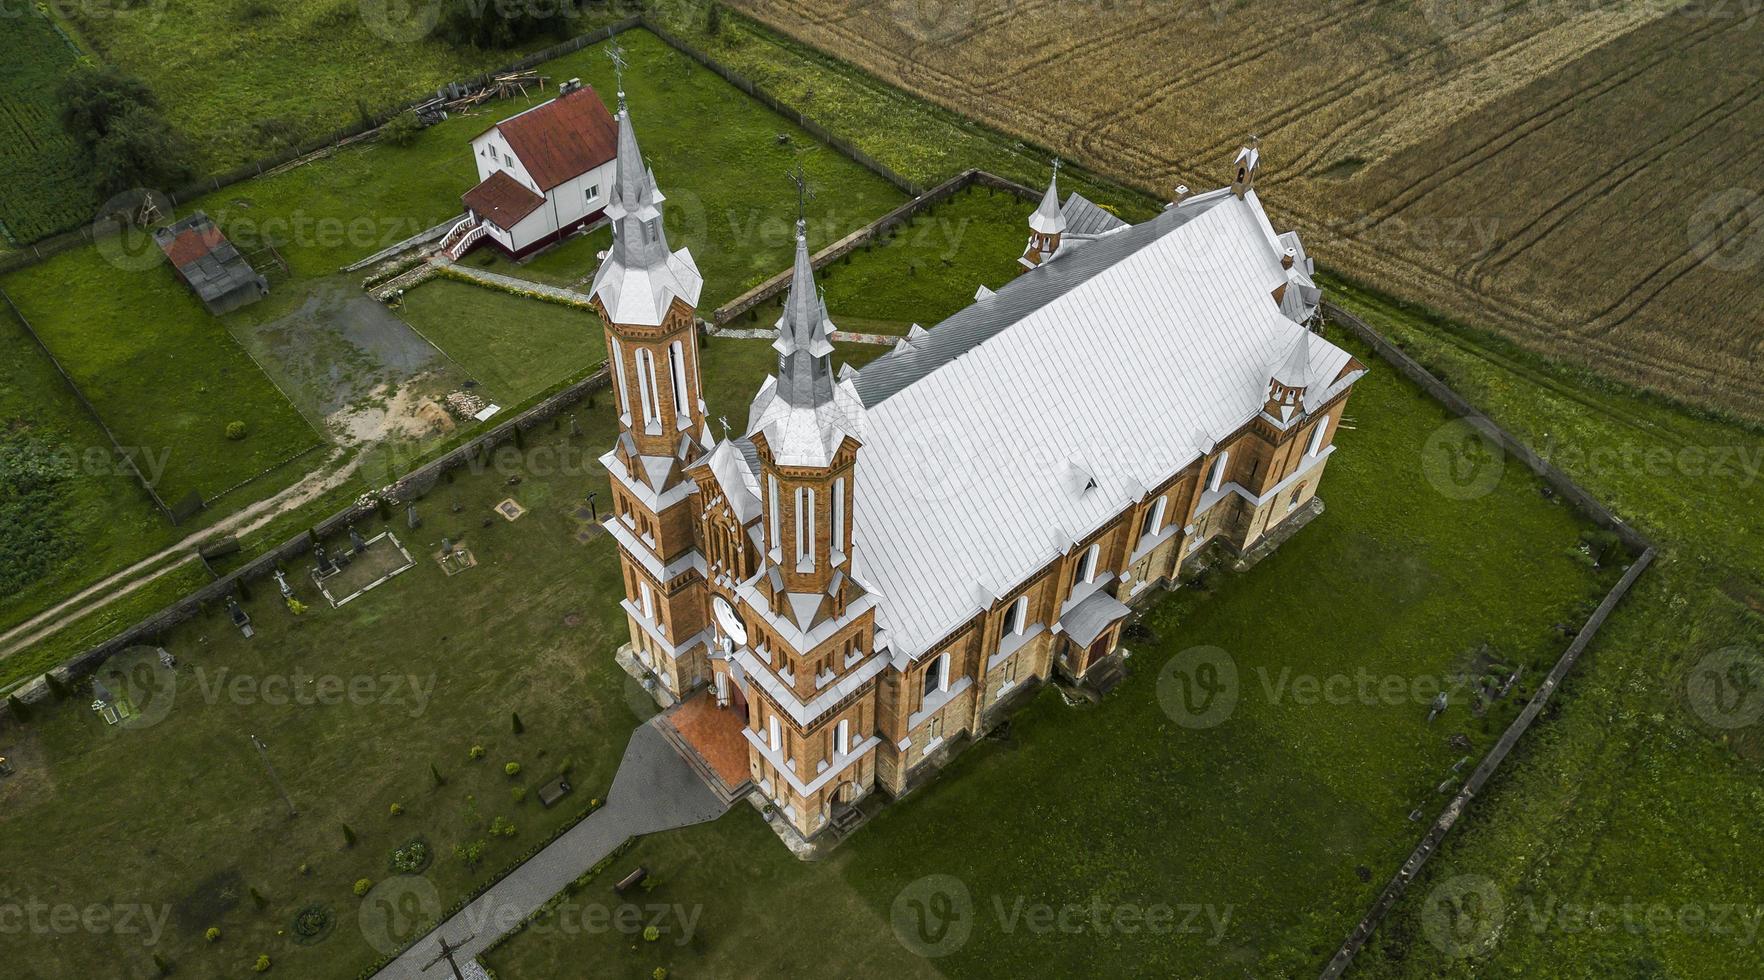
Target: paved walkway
[{"x": 655, "y": 790}]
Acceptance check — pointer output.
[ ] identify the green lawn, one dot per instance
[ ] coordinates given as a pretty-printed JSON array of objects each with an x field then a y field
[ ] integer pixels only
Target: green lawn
[
  {"x": 295, "y": 69},
  {"x": 1628, "y": 798},
  {"x": 930, "y": 268},
  {"x": 1259, "y": 822},
  {"x": 515, "y": 347}
]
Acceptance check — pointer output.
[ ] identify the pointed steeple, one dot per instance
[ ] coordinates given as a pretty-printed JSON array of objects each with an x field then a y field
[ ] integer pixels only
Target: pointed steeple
[
  {"x": 1046, "y": 226},
  {"x": 640, "y": 278},
  {"x": 1049, "y": 218},
  {"x": 805, "y": 411},
  {"x": 805, "y": 335},
  {"x": 1289, "y": 382}
]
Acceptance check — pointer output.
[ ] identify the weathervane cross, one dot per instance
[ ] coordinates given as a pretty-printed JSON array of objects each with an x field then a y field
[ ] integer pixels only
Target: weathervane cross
[
  {"x": 1056, "y": 167},
  {"x": 804, "y": 193},
  {"x": 615, "y": 52}
]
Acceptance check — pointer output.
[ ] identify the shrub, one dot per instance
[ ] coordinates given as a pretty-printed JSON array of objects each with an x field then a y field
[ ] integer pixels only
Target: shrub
[
  {"x": 477, "y": 752},
  {"x": 56, "y": 687},
  {"x": 213, "y": 934},
  {"x": 313, "y": 921},
  {"x": 396, "y": 809},
  {"x": 19, "y": 710},
  {"x": 295, "y": 606},
  {"x": 512, "y": 770},
  {"x": 470, "y": 854},
  {"x": 235, "y": 430},
  {"x": 262, "y": 964},
  {"x": 412, "y": 858},
  {"x": 402, "y": 129},
  {"x": 651, "y": 933},
  {"x": 501, "y": 827},
  {"x": 519, "y": 793},
  {"x": 659, "y": 973},
  {"x": 363, "y": 886},
  {"x": 160, "y": 965}
]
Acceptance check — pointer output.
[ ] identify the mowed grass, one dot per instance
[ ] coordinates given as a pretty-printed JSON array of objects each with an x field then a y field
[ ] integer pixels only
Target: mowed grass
[
  {"x": 1637, "y": 795},
  {"x": 513, "y": 346},
  {"x": 1247, "y": 834},
  {"x": 294, "y": 70},
  {"x": 531, "y": 630},
  {"x": 164, "y": 374},
  {"x": 44, "y": 183}
]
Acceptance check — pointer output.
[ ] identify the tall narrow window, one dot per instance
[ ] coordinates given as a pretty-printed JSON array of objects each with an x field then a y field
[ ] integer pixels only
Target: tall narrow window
[
  {"x": 648, "y": 600},
  {"x": 805, "y": 526},
  {"x": 1086, "y": 571},
  {"x": 772, "y": 518},
  {"x": 646, "y": 392},
  {"x": 937, "y": 676},
  {"x": 839, "y": 515},
  {"x": 618, "y": 359},
  {"x": 842, "y": 738},
  {"x": 777, "y": 738},
  {"x": 1217, "y": 479},
  {"x": 1017, "y": 615},
  {"x": 677, "y": 371},
  {"x": 1317, "y": 436},
  {"x": 1154, "y": 518}
]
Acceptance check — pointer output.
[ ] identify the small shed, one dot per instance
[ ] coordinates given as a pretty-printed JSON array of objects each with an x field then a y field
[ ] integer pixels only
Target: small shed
[{"x": 210, "y": 265}]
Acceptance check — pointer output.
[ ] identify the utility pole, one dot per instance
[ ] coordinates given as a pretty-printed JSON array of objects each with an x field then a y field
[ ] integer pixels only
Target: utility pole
[
  {"x": 447, "y": 952},
  {"x": 263, "y": 753}
]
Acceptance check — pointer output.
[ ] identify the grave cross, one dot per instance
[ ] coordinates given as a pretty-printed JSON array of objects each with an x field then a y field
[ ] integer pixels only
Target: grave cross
[{"x": 447, "y": 951}]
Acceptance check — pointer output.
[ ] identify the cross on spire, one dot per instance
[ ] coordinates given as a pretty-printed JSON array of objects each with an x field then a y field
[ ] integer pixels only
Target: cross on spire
[
  {"x": 615, "y": 52},
  {"x": 804, "y": 194},
  {"x": 1056, "y": 168}
]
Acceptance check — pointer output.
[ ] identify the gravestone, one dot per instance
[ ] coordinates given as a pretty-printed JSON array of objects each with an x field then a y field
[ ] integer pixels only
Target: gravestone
[
  {"x": 411, "y": 518},
  {"x": 1439, "y": 704},
  {"x": 325, "y": 565},
  {"x": 282, "y": 583},
  {"x": 356, "y": 541}
]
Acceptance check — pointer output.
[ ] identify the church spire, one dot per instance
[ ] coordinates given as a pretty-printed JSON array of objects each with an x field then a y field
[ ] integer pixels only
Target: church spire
[
  {"x": 1047, "y": 225},
  {"x": 640, "y": 278}
]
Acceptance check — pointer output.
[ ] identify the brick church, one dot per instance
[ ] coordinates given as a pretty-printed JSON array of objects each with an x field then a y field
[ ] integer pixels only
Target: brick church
[{"x": 888, "y": 559}]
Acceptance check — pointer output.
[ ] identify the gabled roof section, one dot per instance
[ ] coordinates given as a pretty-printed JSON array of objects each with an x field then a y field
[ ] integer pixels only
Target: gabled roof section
[
  {"x": 502, "y": 200},
  {"x": 561, "y": 139},
  {"x": 1085, "y": 218},
  {"x": 1120, "y": 362}
]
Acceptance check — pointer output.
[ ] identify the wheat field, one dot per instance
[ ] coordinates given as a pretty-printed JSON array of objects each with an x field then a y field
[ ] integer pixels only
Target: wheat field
[{"x": 1572, "y": 175}]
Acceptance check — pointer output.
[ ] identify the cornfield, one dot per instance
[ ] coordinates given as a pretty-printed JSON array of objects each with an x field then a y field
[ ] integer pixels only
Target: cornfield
[
  {"x": 44, "y": 183},
  {"x": 1586, "y": 179}
]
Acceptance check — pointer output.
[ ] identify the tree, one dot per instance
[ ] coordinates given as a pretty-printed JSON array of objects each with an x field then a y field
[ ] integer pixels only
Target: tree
[
  {"x": 713, "y": 19},
  {"x": 56, "y": 687},
  {"x": 93, "y": 98},
  {"x": 257, "y": 898},
  {"x": 141, "y": 150},
  {"x": 516, "y": 719},
  {"x": 160, "y": 964},
  {"x": 19, "y": 710},
  {"x": 435, "y": 773},
  {"x": 348, "y": 836}
]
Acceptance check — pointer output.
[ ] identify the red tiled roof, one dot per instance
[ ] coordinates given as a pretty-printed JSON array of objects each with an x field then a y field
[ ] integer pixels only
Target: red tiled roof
[
  {"x": 502, "y": 200},
  {"x": 564, "y": 138},
  {"x": 192, "y": 244}
]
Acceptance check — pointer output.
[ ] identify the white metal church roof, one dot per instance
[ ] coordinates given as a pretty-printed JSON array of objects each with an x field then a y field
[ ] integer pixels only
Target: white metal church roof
[{"x": 1125, "y": 358}]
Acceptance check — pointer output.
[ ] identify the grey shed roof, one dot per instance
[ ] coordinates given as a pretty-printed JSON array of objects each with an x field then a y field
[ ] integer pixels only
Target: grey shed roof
[{"x": 1086, "y": 217}]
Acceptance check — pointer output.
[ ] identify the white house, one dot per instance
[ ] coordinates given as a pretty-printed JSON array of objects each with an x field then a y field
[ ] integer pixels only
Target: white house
[{"x": 542, "y": 174}]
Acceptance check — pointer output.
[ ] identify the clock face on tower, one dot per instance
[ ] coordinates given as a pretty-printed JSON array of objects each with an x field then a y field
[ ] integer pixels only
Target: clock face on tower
[{"x": 727, "y": 619}]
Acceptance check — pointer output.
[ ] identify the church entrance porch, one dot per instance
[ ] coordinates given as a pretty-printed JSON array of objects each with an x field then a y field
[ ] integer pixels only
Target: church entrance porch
[{"x": 710, "y": 739}]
